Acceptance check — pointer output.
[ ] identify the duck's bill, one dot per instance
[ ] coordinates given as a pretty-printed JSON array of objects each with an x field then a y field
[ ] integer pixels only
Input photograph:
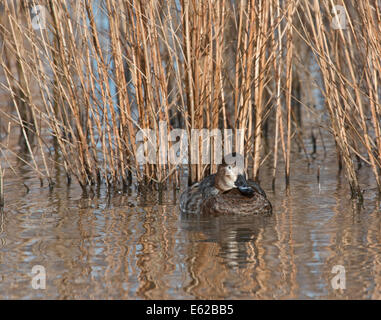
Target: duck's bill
[
  {"x": 246, "y": 191},
  {"x": 243, "y": 187}
]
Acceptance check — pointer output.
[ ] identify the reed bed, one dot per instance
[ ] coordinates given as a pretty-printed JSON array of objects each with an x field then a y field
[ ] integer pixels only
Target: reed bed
[{"x": 85, "y": 86}]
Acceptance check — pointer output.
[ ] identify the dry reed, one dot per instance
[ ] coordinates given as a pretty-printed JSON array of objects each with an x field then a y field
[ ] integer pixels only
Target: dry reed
[
  {"x": 1, "y": 187},
  {"x": 103, "y": 70}
]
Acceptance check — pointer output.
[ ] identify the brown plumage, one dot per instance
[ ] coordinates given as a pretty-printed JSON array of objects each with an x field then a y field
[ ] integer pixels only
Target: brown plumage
[
  {"x": 226, "y": 192},
  {"x": 233, "y": 202}
]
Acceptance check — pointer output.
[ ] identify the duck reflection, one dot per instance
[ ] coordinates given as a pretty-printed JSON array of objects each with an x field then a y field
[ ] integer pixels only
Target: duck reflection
[
  {"x": 235, "y": 236},
  {"x": 224, "y": 256}
]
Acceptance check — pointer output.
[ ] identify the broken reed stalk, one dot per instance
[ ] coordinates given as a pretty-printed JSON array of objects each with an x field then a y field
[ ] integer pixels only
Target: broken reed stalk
[
  {"x": 90, "y": 90},
  {"x": 1, "y": 187}
]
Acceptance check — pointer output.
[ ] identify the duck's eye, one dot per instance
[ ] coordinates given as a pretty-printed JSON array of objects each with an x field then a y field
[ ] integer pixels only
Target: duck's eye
[{"x": 229, "y": 167}]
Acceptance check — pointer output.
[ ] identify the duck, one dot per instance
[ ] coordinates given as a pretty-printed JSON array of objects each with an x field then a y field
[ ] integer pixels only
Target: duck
[{"x": 225, "y": 192}]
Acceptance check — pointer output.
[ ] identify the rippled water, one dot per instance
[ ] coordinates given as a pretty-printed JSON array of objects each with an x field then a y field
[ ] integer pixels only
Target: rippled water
[{"x": 135, "y": 245}]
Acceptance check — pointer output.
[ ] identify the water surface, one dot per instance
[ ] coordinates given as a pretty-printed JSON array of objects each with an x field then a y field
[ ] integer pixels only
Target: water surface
[{"x": 135, "y": 245}]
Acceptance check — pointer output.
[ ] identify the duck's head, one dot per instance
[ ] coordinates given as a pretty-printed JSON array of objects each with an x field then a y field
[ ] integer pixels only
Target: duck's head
[{"x": 230, "y": 176}]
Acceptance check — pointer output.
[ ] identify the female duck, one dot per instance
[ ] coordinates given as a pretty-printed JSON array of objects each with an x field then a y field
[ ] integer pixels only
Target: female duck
[{"x": 226, "y": 192}]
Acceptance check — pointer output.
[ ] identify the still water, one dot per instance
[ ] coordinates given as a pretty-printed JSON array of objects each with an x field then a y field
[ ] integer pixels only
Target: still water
[{"x": 135, "y": 245}]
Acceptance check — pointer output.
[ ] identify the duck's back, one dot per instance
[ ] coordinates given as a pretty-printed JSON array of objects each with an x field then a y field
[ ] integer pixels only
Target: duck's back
[
  {"x": 203, "y": 197},
  {"x": 195, "y": 195},
  {"x": 233, "y": 202}
]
